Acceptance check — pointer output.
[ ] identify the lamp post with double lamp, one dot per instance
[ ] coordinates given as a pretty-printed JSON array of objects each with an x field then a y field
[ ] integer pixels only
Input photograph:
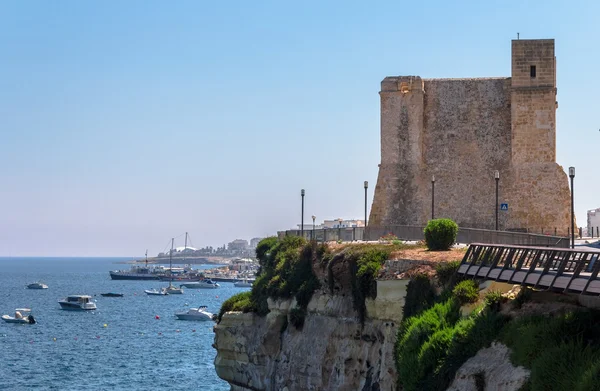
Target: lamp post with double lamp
[
  {"x": 572, "y": 176},
  {"x": 366, "y": 187},
  {"x": 432, "y": 196},
  {"x": 302, "y": 217},
  {"x": 497, "y": 178},
  {"x": 313, "y": 232}
]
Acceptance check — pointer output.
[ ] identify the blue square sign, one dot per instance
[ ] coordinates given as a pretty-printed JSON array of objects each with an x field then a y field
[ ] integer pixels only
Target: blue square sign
[{"x": 503, "y": 206}]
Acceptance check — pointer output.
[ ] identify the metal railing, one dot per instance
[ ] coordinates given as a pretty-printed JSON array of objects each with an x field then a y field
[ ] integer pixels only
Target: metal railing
[
  {"x": 415, "y": 232},
  {"x": 538, "y": 267}
]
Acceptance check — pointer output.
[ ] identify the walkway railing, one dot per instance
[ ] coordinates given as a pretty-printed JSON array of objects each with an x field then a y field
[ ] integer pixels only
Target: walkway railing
[
  {"x": 538, "y": 267},
  {"x": 415, "y": 232}
]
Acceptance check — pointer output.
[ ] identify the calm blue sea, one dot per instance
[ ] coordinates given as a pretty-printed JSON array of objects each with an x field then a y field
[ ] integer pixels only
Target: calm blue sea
[{"x": 69, "y": 350}]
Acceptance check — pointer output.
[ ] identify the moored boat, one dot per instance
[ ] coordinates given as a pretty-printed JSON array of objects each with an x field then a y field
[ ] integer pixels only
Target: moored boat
[
  {"x": 37, "y": 285},
  {"x": 77, "y": 303},
  {"x": 111, "y": 294},
  {"x": 199, "y": 313},
  {"x": 22, "y": 316},
  {"x": 202, "y": 284},
  {"x": 171, "y": 290},
  {"x": 137, "y": 272},
  {"x": 156, "y": 292}
]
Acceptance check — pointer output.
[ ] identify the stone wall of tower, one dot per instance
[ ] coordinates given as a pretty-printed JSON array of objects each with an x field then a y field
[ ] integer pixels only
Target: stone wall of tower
[{"x": 461, "y": 131}]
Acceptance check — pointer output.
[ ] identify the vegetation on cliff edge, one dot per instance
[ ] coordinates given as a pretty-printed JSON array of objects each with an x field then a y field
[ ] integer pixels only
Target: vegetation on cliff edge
[
  {"x": 285, "y": 272},
  {"x": 561, "y": 350}
]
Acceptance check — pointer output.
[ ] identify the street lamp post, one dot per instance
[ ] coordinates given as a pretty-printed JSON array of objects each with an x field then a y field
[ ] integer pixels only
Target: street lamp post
[
  {"x": 366, "y": 187},
  {"x": 497, "y": 178},
  {"x": 340, "y": 228},
  {"x": 432, "y": 196},
  {"x": 572, "y": 176},
  {"x": 313, "y": 232},
  {"x": 302, "y": 218}
]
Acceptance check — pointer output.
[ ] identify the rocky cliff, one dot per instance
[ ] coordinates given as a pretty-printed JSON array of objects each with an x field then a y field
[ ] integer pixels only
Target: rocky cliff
[{"x": 332, "y": 351}]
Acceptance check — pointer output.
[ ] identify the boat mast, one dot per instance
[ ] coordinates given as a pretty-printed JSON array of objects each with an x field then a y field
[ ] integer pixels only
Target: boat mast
[
  {"x": 171, "y": 263},
  {"x": 184, "y": 248}
]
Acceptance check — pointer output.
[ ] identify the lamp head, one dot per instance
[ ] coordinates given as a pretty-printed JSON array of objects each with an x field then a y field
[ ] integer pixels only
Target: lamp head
[
  {"x": 433, "y": 178},
  {"x": 497, "y": 174},
  {"x": 572, "y": 172},
  {"x": 366, "y": 184},
  {"x": 302, "y": 192}
]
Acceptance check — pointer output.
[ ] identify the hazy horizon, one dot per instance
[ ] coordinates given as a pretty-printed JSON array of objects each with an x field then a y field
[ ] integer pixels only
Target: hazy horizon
[{"x": 125, "y": 124}]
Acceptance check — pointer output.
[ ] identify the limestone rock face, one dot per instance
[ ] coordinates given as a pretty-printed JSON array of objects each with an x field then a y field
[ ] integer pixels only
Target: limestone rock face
[
  {"x": 491, "y": 367},
  {"x": 331, "y": 352}
]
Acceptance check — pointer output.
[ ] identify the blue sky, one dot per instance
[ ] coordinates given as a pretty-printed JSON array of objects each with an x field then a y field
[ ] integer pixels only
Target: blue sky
[{"x": 123, "y": 124}]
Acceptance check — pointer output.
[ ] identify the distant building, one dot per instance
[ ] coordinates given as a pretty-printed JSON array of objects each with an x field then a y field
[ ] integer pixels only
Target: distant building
[
  {"x": 593, "y": 221},
  {"x": 342, "y": 223},
  {"x": 336, "y": 223},
  {"x": 238, "y": 245}
]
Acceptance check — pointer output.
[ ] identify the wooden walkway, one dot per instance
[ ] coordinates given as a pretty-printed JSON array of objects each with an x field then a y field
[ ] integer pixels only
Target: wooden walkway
[{"x": 539, "y": 267}]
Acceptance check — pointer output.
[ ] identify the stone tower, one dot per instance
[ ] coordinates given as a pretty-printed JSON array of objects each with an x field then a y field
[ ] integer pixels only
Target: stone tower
[{"x": 461, "y": 131}]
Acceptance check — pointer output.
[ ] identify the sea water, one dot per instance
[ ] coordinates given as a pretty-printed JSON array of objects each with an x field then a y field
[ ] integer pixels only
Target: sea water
[{"x": 133, "y": 342}]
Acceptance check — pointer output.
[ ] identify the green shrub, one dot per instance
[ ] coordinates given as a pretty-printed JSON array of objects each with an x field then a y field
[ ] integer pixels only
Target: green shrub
[
  {"x": 413, "y": 333},
  {"x": 468, "y": 337},
  {"x": 440, "y": 234},
  {"x": 433, "y": 345},
  {"x": 239, "y": 302},
  {"x": 365, "y": 263},
  {"x": 562, "y": 367},
  {"x": 297, "y": 316},
  {"x": 590, "y": 379},
  {"x": 529, "y": 337},
  {"x": 446, "y": 273},
  {"x": 420, "y": 295},
  {"x": 286, "y": 271},
  {"x": 466, "y": 292},
  {"x": 493, "y": 300}
]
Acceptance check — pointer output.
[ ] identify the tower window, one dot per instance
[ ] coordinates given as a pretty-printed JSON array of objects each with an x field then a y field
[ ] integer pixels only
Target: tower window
[{"x": 532, "y": 71}]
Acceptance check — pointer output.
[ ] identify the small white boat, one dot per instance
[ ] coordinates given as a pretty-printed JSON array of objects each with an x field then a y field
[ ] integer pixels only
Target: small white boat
[
  {"x": 199, "y": 313},
  {"x": 22, "y": 315},
  {"x": 37, "y": 285},
  {"x": 77, "y": 303},
  {"x": 203, "y": 284},
  {"x": 156, "y": 292},
  {"x": 245, "y": 283}
]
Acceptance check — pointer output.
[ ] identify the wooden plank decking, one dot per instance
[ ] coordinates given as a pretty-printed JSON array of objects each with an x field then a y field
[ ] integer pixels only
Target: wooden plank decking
[{"x": 539, "y": 267}]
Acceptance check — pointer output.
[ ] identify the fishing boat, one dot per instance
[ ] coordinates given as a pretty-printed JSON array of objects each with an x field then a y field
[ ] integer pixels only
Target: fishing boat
[
  {"x": 202, "y": 284},
  {"x": 77, "y": 303},
  {"x": 22, "y": 315},
  {"x": 111, "y": 294},
  {"x": 37, "y": 285},
  {"x": 156, "y": 292},
  {"x": 199, "y": 313},
  {"x": 137, "y": 272}
]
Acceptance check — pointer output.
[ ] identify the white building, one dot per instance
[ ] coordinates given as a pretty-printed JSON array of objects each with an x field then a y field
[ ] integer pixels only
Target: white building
[
  {"x": 335, "y": 223},
  {"x": 593, "y": 221}
]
